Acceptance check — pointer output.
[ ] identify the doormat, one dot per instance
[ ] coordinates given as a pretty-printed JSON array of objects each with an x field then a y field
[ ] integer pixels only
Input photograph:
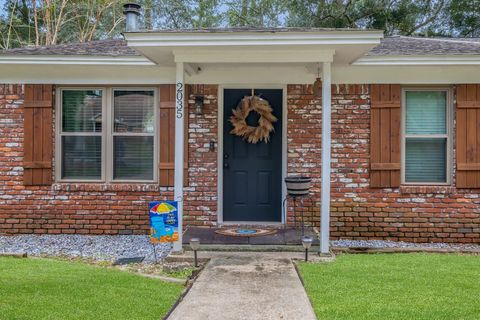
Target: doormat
[{"x": 242, "y": 232}]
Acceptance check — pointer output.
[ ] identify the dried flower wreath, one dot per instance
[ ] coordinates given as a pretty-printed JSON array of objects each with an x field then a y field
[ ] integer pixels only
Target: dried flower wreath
[{"x": 265, "y": 123}]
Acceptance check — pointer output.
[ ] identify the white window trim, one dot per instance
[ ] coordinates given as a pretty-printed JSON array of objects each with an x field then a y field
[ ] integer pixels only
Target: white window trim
[
  {"x": 107, "y": 135},
  {"x": 59, "y": 134},
  {"x": 111, "y": 134},
  {"x": 448, "y": 135}
]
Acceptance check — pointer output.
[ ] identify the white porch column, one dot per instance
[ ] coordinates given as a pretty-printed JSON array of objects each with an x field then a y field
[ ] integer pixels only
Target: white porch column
[
  {"x": 326, "y": 158},
  {"x": 179, "y": 156}
]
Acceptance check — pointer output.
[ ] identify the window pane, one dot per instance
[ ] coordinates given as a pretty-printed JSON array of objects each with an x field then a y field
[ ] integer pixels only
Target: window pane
[
  {"x": 133, "y": 158},
  {"x": 82, "y": 157},
  {"x": 134, "y": 111},
  {"x": 82, "y": 110},
  {"x": 426, "y": 112},
  {"x": 425, "y": 160}
]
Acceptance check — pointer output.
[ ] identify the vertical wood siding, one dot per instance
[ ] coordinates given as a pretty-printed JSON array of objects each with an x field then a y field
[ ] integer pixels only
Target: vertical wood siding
[
  {"x": 38, "y": 140},
  {"x": 468, "y": 136},
  {"x": 385, "y": 124},
  {"x": 167, "y": 136}
]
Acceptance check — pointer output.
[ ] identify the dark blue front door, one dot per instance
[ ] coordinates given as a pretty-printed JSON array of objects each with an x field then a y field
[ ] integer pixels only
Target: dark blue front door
[{"x": 252, "y": 173}]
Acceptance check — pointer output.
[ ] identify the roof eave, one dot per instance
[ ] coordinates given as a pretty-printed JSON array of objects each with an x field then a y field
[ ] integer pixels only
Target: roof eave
[
  {"x": 75, "y": 60},
  {"x": 413, "y": 60},
  {"x": 184, "y": 39}
]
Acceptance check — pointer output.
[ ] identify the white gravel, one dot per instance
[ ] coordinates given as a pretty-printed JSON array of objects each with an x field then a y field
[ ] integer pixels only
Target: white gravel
[
  {"x": 110, "y": 248},
  {"x": 107, "y": 248},
  {"x": 377, "y": 244}
]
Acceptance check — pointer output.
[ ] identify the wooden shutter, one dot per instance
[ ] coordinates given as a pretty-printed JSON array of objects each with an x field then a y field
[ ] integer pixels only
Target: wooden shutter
[
  {"x": 468, "y": 136},
  {"x": 385, "y": 124},
  {"x": 167, "y": 136},
  {"x": 38, "y": 131}
]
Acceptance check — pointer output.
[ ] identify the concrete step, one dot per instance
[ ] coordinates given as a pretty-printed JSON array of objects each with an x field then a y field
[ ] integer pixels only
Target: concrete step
[{"x": 251, "y": 248}]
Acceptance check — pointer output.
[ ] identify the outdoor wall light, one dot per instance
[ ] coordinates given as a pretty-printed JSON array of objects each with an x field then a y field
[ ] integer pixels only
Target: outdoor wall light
[
  {"x": 317, "y": 88},
  {"x": 307, "y": 243},
  {"x": 199, "y": 104},
  {"x": 195, "y": 245}
]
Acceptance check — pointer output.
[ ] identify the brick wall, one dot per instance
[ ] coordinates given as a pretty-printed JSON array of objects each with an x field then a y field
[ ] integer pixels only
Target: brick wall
[
  {"x": 201, "y": 196},
  {"x": 418, "y": 214},
  {"x": 304, "y": 133},
  {"x": 97, "y": 208}
]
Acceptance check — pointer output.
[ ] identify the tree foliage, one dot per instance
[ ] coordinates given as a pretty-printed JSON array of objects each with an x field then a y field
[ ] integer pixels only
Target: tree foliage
[
  {"x": 465, "y": 17},
  {"x": 252, "y": 13},
  {"x": 46, "y": 22},
  {"x": 405, "y": 17},
  {"x": 182, "y": 13}
]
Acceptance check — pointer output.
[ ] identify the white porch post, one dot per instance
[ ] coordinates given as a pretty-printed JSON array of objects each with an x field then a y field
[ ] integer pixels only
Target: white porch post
[
  {"x": 326, "y": 158},
  {"x": 179, "y": 144}
]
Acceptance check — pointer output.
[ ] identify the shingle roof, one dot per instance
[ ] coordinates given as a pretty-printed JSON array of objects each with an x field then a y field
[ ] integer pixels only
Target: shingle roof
[
  {"x": 110, "y": 47},
  {"x": 390, "y": 46},
  {"x": 405, "y": 46}
]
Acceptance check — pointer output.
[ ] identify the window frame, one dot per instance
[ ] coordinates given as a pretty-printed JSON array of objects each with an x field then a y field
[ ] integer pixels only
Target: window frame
[
  {"x": 448, "y": 135},
  {"x": 59, "y": 134},
  {"x": 107, "y": 134},
  {"x": 111, "y": 134}
]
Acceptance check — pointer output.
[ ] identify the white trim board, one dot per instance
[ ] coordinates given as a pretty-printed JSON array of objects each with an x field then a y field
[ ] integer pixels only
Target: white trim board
[
  {"x": 76, "y": 60},
  {"x": 220, "y": 115},
  {"x": 89, "y": 75},
  {"x": 253, "y": 56},
  {"x": 186, "y": 39},
  {"x": 426, "y": 60}
]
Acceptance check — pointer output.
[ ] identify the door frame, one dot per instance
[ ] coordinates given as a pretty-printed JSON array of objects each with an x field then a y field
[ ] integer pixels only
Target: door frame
[{"x": 220, "y": 119}]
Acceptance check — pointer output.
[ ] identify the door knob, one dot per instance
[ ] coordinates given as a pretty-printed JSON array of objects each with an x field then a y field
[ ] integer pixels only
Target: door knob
[
  {"x": 225, "y": 156},
  {"x": 225, "y": 165}
]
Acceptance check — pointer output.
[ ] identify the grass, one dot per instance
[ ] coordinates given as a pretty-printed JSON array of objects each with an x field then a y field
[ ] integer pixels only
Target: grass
[
  {"x": 184, "y": 273},
  {"x": 53, "y": 289},
  {"x": 395, "y": 286}
]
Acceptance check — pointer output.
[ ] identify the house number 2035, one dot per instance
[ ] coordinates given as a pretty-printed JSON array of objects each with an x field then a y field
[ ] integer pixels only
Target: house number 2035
[{"x": 179, "y": 104}]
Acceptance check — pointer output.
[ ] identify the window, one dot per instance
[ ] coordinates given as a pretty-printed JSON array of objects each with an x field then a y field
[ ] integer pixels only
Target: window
[
  {"x": 81, "y": 134},
  {"x": 133, "y": 135},
  {"x": 107, "y": 135},
  {"x": 426, "y": 136}
]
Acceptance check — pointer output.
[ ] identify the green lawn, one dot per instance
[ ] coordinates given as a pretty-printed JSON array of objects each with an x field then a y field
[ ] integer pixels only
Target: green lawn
[
  {"x": 52, "y": 289},
  {"x": 395, "y": 286}
]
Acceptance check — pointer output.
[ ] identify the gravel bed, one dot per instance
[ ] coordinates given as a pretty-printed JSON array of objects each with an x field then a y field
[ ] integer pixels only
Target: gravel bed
[
  {"x": 110, "y": 248},
  {"x": 103, "y": 248},
  {"x": 379, "y": 244}
]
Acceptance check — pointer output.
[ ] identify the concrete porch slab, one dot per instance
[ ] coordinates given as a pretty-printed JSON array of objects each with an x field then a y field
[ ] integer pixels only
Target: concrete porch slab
[{"x": 283, "y": 237}]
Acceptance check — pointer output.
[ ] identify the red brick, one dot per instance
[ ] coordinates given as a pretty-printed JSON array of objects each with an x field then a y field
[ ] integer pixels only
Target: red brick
[{"x": 443, "y": 214}]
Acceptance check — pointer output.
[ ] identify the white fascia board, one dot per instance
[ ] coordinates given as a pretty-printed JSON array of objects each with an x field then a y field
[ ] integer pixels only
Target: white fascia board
[
  {"x": 257, "y": 56},
  {"x": 418, "y": 60},
  {"x": 86, "y": 75},
  {"x": 166, "y": 39},
  {"x": 76, "y": 60}
]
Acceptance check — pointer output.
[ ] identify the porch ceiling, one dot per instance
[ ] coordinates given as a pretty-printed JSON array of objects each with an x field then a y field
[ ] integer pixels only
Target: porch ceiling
[{"x": 339, "y": 47}]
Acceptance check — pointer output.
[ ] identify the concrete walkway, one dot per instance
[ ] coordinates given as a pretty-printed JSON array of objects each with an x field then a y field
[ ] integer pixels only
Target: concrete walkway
[{"x": 246, "y": 285}]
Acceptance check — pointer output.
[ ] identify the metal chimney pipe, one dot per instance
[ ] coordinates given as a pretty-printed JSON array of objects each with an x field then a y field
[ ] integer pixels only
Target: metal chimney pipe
[{"x": 131, "y": 12}]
